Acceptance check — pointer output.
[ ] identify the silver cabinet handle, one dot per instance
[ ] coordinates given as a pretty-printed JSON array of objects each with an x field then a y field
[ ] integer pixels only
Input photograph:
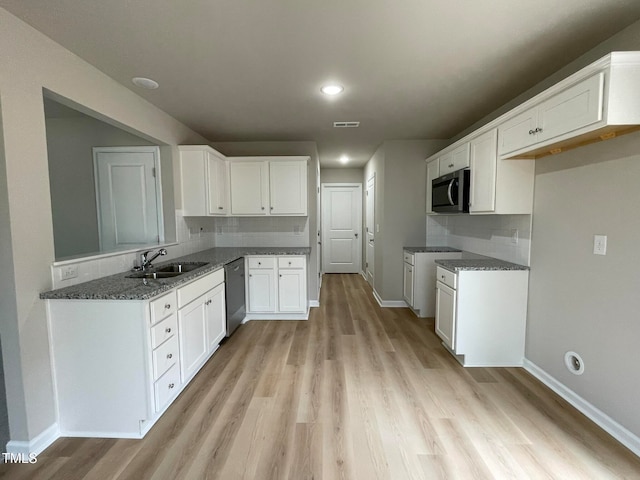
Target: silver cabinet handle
[
  {"x": 538, "y": 130},
  {"x": 449, "y": 191},
  {"x": 171, "y": 385},
  {"x": 531, "y": 132},
  {"x": 451, "y": 165},
  {"x": 167, "y": 306},
  {"x": 170, "y": 355},
  {"x": 168, "y": 330}
]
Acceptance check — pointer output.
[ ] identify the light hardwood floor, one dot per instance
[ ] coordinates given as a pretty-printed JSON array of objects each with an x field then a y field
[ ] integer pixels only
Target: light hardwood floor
[{"x": 357, "y": 392}]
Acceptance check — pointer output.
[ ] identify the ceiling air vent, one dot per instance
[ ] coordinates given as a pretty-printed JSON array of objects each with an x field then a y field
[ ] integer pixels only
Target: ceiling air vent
[{"x": 346, "y": 124}]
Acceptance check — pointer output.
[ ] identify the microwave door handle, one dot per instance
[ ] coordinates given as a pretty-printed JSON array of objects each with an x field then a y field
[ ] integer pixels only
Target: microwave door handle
[{"x": 449, "y": 191}]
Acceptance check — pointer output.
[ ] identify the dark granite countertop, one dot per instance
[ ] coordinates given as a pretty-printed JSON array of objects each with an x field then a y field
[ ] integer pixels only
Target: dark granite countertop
[
  {"x": 479, "y": 264},
  {"x": 118, "y": 287},
  {"x": 431, "y": 249}
]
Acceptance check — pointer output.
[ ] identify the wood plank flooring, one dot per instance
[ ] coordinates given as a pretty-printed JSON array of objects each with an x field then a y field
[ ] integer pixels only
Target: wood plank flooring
[{"x": 356, "y": 392}]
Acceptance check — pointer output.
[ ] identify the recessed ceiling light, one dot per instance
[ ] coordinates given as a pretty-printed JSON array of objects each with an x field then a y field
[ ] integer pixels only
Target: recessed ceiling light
[
  {"x": 332, "y": 89},
  {"x": 344, "y": 159},
  {"x": 145, "y": 83}
]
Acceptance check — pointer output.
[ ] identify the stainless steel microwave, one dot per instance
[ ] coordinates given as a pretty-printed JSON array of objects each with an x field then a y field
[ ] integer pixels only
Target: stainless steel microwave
[{"x": 450, "y": 192}]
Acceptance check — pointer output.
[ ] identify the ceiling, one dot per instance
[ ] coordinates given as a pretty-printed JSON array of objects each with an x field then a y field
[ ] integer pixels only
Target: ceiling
[{"x": 239, "y": 70}]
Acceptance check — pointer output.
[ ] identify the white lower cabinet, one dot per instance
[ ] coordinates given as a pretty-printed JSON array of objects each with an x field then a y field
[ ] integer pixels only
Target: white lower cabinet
[
  {"x": 481, "y": 315},
  {"x": 276, "y": 286},
  {"x": 419, "y": 284},
  {"x": 118, "y": 364}
]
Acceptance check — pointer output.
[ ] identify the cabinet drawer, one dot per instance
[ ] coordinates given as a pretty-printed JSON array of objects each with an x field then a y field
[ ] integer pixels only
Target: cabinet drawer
[
  {"x": 164, "y": 357},
  {"x": 193, "y": 290},
  {"x": 409, "y": 258},
  {"x": 262, "y": 262},
  {"x": 445, "y": 276},
  {"x": 163, "y": 307},
  {"x": 291, "y": 262},
  {"x": 167, "y": 387},
  {"x": 164, "y": 330}
]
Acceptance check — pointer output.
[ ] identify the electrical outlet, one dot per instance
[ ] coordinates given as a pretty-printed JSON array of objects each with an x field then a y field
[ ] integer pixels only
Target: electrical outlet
[
  {"x": 514, "y": 236},
  {"x": 599, "y": 244},
  {"x": 69, "y": 272}
]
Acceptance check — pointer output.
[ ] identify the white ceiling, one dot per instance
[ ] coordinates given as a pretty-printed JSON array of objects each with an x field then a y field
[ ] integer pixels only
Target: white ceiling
[{"x": 239, "y": 70}]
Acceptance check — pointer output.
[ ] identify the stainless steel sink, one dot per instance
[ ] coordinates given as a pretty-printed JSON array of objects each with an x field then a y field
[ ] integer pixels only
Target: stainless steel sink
[
  {"x": 155, "y": 275},
  {"x": 181, "y": 267},
  {"x": 169, "y": 271}
]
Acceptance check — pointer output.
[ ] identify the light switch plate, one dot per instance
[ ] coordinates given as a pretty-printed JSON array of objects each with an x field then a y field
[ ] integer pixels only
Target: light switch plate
[
  {"x": 599, "y": 244},
  {"x": 68, "y": 272}
]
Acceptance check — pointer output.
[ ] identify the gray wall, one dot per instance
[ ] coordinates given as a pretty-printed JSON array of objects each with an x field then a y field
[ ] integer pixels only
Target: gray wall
[
  {"x": 238, "y": 149},
  {"x": 584, "y": 302},
  {"x": 399, "y": 207},
  {"x": 341, "y": 175},
  {"x": 71, "y": 179}
]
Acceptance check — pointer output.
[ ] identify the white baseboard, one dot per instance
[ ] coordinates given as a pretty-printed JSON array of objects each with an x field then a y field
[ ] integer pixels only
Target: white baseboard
[
  {"x": 314, "y": 303},
  {"x": 37, "y": 445},
  {"x": 364, "y": 275},
  {"x": 609, "y": 425},
  {"x": 389, "y": 303},
  {"x": 278, "y": 316}
]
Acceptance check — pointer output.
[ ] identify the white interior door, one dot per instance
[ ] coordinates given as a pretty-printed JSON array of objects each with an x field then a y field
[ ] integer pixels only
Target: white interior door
[
  {"x": 341, "y": 228},
  {"x": 370, "y": 229},
  {"x": 128, "y": 196}
]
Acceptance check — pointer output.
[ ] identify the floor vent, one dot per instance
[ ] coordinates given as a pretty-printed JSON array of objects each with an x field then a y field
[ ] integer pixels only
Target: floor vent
[{"x": 346, "y": 124}]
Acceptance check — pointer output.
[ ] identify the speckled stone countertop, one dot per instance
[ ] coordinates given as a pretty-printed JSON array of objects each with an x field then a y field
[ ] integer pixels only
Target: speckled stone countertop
[
  {"x": 119, "y": 287},
  {"x": 431, "y": 249},
  {"x": 479, "y": 264}
]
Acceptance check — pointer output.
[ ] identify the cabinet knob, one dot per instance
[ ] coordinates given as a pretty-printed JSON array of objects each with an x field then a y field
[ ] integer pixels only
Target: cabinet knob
[
  {"x": 451, "y": 165},
  {"x": 271, "y": 208},
  {"x": 262, "y": 208},
  {"x": 171, "y": 385},
  {"x": 538, "y": 130},
  {"x": 259, "y": 263},
  {"x": 167, "y": 306},
  {"x": 219, "y": 208},
  {"x": 442, "y": 277},
  {"x": 289, "y": 263},
  {"x": 169, "y": 355},
  {"x": 531, "y": 132},
  {"x": 168, "y": 330},
  {"x": 280, "y": 275}
]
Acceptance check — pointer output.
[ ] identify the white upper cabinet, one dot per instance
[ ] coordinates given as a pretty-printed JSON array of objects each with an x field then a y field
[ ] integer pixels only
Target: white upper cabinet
[
  {"x": 268, "y": 186},
  {"x": 205, "y": 181},
  {"x": 482, "y": 193},
  {"x": 455, "y": 160},
  {"x": 288, "y": 187},
  {"x": 572, "y": 109},
  {"x": 249, "y": 187},
  {"x": 433, "y": 172}
]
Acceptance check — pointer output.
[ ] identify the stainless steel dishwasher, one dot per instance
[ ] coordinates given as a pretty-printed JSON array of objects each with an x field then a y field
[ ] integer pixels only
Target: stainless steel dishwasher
[{"x": 234, "y": 294}]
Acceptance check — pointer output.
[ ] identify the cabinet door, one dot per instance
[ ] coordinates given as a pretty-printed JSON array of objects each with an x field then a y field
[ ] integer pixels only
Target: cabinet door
[
  {"x": 455, "y": 160},
  {"x": 446, "y": 314},
  {"x": 292, "y": 290},
  {"x": 288, "y": 187},
  {"x": 217, "y": 179},
  {"x": 433, "y": 172},
  {"x": 408, "y": 283},
  {"x": 193, "y": 173},
  {"x": 249, "y": 187},
  {"x": 216, "y": 317},
  {"x": 192, "y": 334},
  {"x": 262, "y": 291},
  {"x": 518, "y": 132},
  {"x": 482, "y": 194},
  {"x": 574, "y": 108}
]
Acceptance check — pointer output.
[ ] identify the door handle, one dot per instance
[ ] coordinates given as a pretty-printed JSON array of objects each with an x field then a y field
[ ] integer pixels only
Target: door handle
[
  {"x": 356, "y": 235},
  {"x": 449, "y": 191}
]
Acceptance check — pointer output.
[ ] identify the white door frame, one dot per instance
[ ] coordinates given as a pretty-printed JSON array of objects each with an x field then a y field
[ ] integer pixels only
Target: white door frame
[
  {"x": 357, "y": 186},
  {"x": 370, "y": 235},
  {"x": 156, "y": 157}
]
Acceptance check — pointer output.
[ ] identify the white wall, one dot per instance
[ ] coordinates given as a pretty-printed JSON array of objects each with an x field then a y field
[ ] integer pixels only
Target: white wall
[
  {"x": 341, "y": 175},
  {"x": 30, "y": 62}
]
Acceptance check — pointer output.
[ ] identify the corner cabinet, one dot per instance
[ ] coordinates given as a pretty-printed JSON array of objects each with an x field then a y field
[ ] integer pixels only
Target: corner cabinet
[
  {"x": 268, "y": 186},
  {"x": 481, "y": 315},
  {"x": 276, "y": 287},
  {"x": 119, "y": 364},
  {"x": 205, "y": 181}
]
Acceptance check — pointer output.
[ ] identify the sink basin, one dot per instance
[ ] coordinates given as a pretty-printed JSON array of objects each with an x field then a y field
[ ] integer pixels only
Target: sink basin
[
  {"x": 181, "y": 267},
  {"x": 169, "y": 271},
  {"x": 155, "y": 275}
]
